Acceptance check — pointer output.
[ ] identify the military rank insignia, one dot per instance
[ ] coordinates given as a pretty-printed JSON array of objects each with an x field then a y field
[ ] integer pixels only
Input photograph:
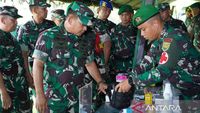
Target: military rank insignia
[{"x": 166, "y": 44}]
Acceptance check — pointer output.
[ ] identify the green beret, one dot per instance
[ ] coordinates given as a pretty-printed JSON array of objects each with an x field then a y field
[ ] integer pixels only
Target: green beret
[
  {"x": 195, "y": 5},
  {"x": 143, "y": 14},
  {"x": 125, "y": 8}
]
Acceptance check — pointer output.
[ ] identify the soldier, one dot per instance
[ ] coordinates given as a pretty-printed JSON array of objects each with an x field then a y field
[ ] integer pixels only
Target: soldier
[
  {"x": 123, "y": 38},
  {"x": 102, "y": 27},
  {"x": 172, "y": 56},
  {"x": 13, "y": 76},
  {"x": 165, "y": 13},
  {"x": 29, "y": 32},
  {"x": 57, "y": 16},
  {"x": 64, "y": 51},
  {"x": 196, "y": 24},
  {"x": 188, "y": 13}
]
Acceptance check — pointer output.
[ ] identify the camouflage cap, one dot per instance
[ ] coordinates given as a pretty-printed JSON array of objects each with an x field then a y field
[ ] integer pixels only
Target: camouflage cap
[
  {"x": 84, "y": 13},
  {"x": 143, "y": 14},
  {"x": 58, "y": 13},
  {"x": 195, "y": 5},
  {"x": 41, "y": 3},
  {"x": 187, "y": 9},
  {"x": 125, "y": 8},
  {"x": 106, "y": 3},
  {"x": 10, "y": 11},
  {"x": 163, "y": 6}
]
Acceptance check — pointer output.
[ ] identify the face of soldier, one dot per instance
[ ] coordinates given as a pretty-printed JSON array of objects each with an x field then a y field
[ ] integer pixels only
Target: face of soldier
[
  {"x": 165, "y": 15},
  {"x": 73, "y": 25},
  {"x": 188, "y": 14},
  {"x": 125, "y": 18},
  {"x": 103, "y": 13},
  {"x": 10, "y": 23},
  {"x": 195, "y": 11},
  {"x": 149, "y": 30},
  {"x": 42, "y": 12}
]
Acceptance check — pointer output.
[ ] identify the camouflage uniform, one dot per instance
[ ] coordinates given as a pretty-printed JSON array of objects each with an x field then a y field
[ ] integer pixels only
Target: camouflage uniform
[
  {"x": 188, "y": 21},
  {"x": 65, "y": 56},
  {"x": 172, "y": 22},
  {"x": 29, "y": 32},
  {"x": 164, "y": 61},
  {"x": 196, "y": 30},
  {"x": 172, "y": 57},
  {"x": 12, "y": 68},
  {"x": 123, "y": 44},
  {"x": 175, "y": 23}
]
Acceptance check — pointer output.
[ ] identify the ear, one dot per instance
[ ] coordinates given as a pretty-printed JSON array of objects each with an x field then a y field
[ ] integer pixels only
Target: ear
[
  {"x": 98, "y": 10},
  {"x": 3, "y": 20},
  {"x": 34, "y": 10},
  {"x": 70, "y": 19}
]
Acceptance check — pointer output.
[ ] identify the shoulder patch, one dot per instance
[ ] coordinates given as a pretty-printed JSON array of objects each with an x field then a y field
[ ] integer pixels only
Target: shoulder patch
[
  {"x": 166, "y": 44},
  {"x": 164, "y": 58}
]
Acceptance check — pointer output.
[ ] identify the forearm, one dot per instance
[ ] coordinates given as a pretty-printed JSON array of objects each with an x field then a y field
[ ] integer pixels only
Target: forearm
[
  {"x": 107, "y": 47},
  {"x": 26, "y": 64},
  {"x": 94, "y": 71},
  {"x": 38, "y": 68},
  {"x": 2, "y": 86}
]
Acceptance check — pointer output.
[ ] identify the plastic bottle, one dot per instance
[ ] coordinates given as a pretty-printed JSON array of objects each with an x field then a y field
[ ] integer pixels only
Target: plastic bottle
[
  {"x": 167, "y": 93},
  {"x": 168, "y": 98}
]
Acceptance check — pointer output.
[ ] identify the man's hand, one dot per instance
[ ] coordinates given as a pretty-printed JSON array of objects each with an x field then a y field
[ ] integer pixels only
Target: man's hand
[
  {"x": 6, "y": 100},
  {"x": 41, "y": 103},
  {"x": 102, "y": 87},
  {"x": 123, "y": 86}
]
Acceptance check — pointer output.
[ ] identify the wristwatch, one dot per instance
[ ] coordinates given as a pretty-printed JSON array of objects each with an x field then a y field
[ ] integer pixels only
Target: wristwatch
[{"x": 130, "y": 81}]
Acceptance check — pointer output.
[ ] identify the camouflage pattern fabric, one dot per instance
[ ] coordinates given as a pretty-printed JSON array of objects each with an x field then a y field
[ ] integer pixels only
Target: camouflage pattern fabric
[
  {"x": 41, "y": 3},
  {"x": 171, "y": 57},
  {"x": 196, "y": 30},
  {"x": 12, "y": 69},
  {"x": 123, "y": 46},
  {"x": 82, "y": 11},
  {"x": 29, "y": 32},
  {"x": 103, "y": 27},
  {"x": 65, "y": 56},
  {"x": 188, "y": 22},
  {"x": 175, "y": 23}
]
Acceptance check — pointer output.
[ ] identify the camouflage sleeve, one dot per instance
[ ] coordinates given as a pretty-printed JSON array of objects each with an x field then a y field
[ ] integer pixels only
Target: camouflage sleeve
[
  {"x": 167, "y": 62},
  {"x": 196, "y": 41},
  {"x": 88, "y": 45},
  {"x": 22, "y": 39},
  {"x": 42, "y": 47}
]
